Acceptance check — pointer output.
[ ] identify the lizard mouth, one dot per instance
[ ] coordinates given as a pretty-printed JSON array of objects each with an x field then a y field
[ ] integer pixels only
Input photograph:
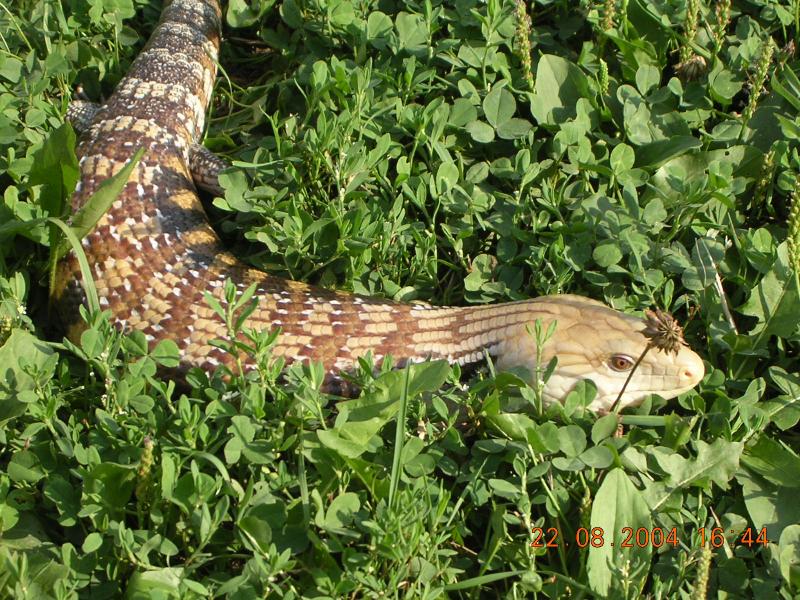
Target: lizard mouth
[{"x": 687, "y": 377}]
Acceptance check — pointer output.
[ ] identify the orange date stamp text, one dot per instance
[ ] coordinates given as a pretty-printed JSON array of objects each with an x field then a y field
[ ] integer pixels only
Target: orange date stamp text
[{"x": 641, "y": 537}]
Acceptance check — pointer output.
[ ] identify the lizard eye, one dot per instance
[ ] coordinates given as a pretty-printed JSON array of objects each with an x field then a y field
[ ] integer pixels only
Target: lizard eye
[{"x": 621, "y": 362}]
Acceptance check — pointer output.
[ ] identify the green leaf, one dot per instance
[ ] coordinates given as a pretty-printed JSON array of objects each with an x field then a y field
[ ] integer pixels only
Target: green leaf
[
  {"x": 513, "y": 129},
  {"x": 242, "y": 433},
  {"x": 559, "y": 85},
  {"x": 768, "y": 505},
  {"x": 162, "y": 583},
  {"x": 616, "y": 505},
  {"x": 504, "y": 489},
  {"x": 654, "y": 212},
  {"x": 462, "y": 112},
  {"x": 111, "y": 483},
  {"x": 580, "y": 396},
  {"x": 480, "y": 273},
  {"x": 24, "y": 467},
  {"x": 715, "y": 463},
  {"x": 412, "y": 31},
  {"x": 87, "y": 281},
  {"x": 359, "y": 420},
  {"x": 9, "y": 517},
  {"x": 607, "y": 254},
  {"x": 789, "y": 129},
  {"x": 10, "y": 68},
  {"x": 66, "y": 497},
  {"x": 774, "y": 462},
  {"x": 789, "y": 555},
  {"x": 92, "y": 343},
  {"x": 647, "y": 77},
  {"x": 597, "y": 457},
  {"x": 92, "y": 542},
  {"x": 166, "y": 353},
  {"x": 784, "y": 409},
  {"x": 447, "y": 176},
  {"x": 480, "y": 132},
  {"x": 571, "y": 440},
  {"x": 257, "y": 525},
  {"x": 774, "y": 301},
  {"x": 723, "y": 84},
  {"x": 655, "y": 154},
  {"x": 240, "y": 14},
  {"x": 22, "y": 348},
  {"x": 499, "y": 106},
  {"x": 55, "y": 168},
  {"x": 604, "y": 427},
  {"x": 341, "y": 512},
  {"x": 622, "y": 159},
  {"x": 379, "y": 28},
  {"x": 344, "y": 446},
  {"x": 341, "y": 13},
  {"x": 787, "y": 84},
  {"x": 478, "y": 582},
  {"x": 515, "y": 426}
]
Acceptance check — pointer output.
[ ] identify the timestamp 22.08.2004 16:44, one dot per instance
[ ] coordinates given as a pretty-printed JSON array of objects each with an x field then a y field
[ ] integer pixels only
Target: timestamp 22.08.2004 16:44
[{"x": 641, "y": 537}]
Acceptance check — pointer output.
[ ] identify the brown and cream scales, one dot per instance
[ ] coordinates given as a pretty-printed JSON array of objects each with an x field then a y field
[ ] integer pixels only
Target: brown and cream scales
[{"x": 154, "y": 255}]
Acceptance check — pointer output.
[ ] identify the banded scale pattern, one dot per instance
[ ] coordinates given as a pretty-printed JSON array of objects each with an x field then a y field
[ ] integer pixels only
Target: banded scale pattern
[{"x": 154, "y": 255}]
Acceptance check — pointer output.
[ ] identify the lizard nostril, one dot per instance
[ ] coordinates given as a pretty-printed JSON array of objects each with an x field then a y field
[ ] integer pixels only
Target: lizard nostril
[{"x": 688, "y": 374}]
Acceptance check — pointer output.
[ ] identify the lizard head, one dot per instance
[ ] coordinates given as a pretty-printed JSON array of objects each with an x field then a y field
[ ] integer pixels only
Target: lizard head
[{"x": 593, "y": 341}]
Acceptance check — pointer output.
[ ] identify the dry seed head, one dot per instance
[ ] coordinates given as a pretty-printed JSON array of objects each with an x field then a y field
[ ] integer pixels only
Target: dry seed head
[
  {"x": 422, "y": 429},
  {"x": 785, "y": 54},
  {"x": 788, "y": 51},
  {"x": 663, "y": 331},
  {"x": 691, "y": 68}
]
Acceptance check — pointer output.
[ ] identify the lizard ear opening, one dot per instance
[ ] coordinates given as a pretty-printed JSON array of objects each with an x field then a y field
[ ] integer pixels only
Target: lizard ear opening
[{"x": 621, "y": 362}]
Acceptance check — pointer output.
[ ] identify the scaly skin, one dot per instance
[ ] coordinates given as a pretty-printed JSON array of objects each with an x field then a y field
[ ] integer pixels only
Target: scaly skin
[{"x": 153, "y": 255}]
